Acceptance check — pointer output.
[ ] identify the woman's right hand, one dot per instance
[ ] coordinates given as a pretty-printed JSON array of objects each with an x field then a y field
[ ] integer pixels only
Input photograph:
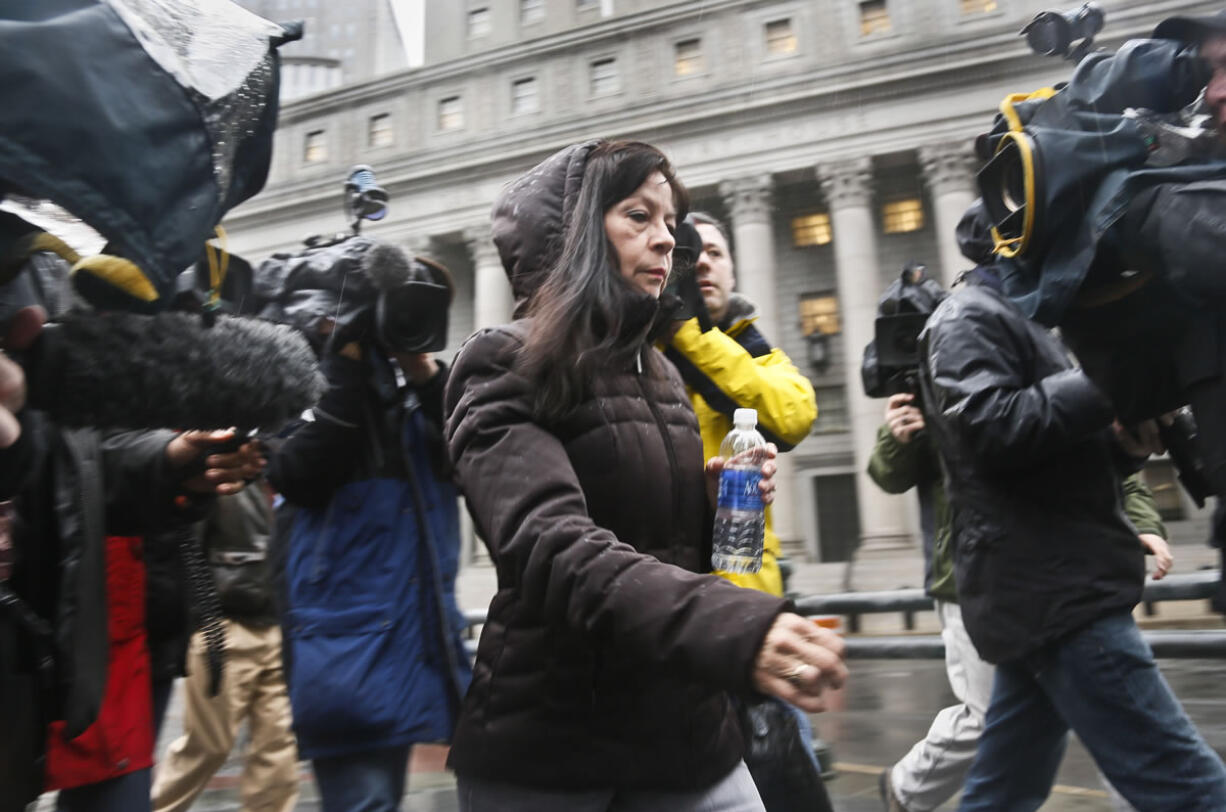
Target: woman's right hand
[{"x": 798, "y": 661}]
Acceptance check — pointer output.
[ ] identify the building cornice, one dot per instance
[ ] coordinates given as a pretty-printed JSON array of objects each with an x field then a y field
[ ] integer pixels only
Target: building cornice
[
  {"x": 1000, "y": 57},
  {"x": 1001, "y": 37},
  {"x": 782, "y": 98}
]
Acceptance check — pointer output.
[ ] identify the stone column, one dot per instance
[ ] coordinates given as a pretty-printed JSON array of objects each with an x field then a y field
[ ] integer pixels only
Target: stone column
[
  {"x": 749, "y": 201},
  {"x": 492, "y": 299},
  {"x": 949, "y": 170},
  {"x": 753, "y": 238},
  {"x": 847, "y": 188}
]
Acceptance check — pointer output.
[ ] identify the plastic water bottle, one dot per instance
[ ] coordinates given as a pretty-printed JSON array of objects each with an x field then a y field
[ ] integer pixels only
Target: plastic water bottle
[{"x": 740, "y": 517}]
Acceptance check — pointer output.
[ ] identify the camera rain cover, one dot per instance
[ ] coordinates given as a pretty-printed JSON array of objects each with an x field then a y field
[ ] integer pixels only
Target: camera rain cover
[{"x": 148, "y": 119}]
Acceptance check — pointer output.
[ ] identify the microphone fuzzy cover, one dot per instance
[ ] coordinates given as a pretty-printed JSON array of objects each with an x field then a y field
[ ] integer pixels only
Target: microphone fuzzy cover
[{"x": 170, "y": 370}]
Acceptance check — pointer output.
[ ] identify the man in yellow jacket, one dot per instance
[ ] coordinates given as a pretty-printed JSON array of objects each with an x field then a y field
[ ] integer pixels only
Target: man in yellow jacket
[{"x": 733, "y": 366}]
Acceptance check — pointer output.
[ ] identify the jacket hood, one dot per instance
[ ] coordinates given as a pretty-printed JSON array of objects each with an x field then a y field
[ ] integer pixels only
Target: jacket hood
[
  {"x": 531, "y": 215},
  {"x": 740, "y": 310}
]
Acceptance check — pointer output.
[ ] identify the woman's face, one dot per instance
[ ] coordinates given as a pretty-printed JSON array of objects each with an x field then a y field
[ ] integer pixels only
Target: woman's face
[{"x": 641, "y": 231}]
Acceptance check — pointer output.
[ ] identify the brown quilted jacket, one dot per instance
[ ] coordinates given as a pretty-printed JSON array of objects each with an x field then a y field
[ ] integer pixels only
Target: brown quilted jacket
[{"x": 607, "y": 658}]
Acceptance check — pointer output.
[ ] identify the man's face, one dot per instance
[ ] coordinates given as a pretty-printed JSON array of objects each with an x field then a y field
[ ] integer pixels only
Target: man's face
[
  {"x": 714, "y": 271},
  {"x": 1213, "y": 49}
]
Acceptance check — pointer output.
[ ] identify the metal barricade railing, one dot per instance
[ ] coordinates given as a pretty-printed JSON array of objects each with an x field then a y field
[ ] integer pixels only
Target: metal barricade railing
[{"x": 1174, "y": 644}]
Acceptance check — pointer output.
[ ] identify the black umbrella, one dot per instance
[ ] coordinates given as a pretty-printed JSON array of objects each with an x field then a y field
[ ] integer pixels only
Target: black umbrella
[{"x": 148, "y": 119}]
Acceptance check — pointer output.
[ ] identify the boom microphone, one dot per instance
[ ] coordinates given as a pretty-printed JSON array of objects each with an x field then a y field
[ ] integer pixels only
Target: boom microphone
[{"x": 120, "y": 370}]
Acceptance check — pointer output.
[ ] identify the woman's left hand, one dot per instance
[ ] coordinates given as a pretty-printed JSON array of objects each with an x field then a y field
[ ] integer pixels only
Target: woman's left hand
[{"x": 766, "y": 486}]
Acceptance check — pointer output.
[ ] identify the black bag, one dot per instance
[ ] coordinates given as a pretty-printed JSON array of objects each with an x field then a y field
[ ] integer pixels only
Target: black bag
[{"x": 783, "y": 770}]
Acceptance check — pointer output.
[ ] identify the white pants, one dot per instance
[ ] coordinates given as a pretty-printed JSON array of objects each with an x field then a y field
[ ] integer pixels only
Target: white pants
[{"x": 936, "y": 767}]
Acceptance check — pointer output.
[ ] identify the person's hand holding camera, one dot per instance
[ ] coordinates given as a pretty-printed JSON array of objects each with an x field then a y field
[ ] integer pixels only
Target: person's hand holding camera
[
  {"x": 1141, "y": 440},
  {"x": 226, "y": 470},
  {"x": 22, "y": 331},
  {"x": 418, "y": 367},
  {"x": 904, "y": 420}
]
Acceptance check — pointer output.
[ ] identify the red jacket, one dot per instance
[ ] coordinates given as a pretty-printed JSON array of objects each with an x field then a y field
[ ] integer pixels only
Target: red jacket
[{"x": 121, "y": 739}]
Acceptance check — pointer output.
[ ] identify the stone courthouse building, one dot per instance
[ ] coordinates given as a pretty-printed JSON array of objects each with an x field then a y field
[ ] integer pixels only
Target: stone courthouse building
[{"x": 833, "y": 136}]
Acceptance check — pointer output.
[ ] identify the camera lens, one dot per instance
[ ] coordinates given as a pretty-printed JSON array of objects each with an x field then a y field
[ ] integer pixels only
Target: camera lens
[{"x": 1048, "y": 34}]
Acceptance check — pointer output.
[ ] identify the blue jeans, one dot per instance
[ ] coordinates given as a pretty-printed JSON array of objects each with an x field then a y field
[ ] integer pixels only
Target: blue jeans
[
  {"x": 1102, "y": 682},
  {"x": 370, "y": 781},
  {"x": 126, "y": 793}
]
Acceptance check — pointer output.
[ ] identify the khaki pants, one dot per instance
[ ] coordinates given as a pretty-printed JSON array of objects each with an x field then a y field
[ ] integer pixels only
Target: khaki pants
[{"x": 252, "y": 688}]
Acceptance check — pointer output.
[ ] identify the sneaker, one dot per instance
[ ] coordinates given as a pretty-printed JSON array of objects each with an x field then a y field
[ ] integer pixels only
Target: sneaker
[{"x": 885, "y": 786}]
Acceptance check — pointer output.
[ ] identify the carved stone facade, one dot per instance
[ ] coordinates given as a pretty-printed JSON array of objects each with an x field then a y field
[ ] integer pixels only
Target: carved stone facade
[
  {"x": 748, "y": 200},
  {"x": 771, "y": 136},
  {"x": 847, "y": 183}
]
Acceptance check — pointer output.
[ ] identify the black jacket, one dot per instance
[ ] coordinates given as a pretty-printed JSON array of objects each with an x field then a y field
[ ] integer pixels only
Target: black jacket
[
  {"x": 83, "y": 486},
  {"x": 168, "y": 605},
  {"x": 1032, "y": 472},
  {"x": 235, "y": 538}
]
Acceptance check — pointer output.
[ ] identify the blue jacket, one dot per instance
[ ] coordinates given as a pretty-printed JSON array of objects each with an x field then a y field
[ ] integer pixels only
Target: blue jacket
[{"x": 374, "y": 654}]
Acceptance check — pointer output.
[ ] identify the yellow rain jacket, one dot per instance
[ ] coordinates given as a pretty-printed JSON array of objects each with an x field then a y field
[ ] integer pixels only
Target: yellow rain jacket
[{"x": 734, "y": 367}]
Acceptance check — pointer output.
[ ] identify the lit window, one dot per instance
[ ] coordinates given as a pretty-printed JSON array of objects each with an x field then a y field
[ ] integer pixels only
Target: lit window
[
  {"x": 902, "y": 216},
  {"x": 812, "y": 229},
  {"x": 524, "y": 96},
  {"x": 451, "y": 113},
  {"x": 970, "y": 7},
  {"x": 531, "y": 11},
  {"x": 819, "y": 313},
  {"x": 315, "y": 147},
  {"x": 478, "y": 22},
  {"x": 379, "y": 130},
  {"x": 874, "y": 18},
  {"x": 688, "y": 58},
  {"x": 780, "y": 39},
  {"x": 604, "y": 76}
]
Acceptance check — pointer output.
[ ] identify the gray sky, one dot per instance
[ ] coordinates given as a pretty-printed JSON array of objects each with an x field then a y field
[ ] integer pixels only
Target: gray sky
[{"x": 409, "y": 15}]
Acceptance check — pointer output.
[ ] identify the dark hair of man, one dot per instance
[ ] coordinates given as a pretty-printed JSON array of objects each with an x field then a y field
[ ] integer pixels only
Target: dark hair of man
[
  {"x": 583, "y": 314},
  {"x": 701, "y": 218}
]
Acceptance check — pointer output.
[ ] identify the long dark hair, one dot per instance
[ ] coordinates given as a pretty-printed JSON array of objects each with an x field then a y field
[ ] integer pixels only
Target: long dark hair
[{"x": 586, "y": 316}]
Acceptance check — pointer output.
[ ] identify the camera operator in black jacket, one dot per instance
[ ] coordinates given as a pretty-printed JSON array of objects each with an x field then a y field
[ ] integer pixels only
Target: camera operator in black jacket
[{"x": 1048, "y": 567}]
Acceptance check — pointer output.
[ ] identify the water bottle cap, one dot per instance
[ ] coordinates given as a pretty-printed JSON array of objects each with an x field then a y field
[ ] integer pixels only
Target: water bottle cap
[{"x": 745, "y": 418}]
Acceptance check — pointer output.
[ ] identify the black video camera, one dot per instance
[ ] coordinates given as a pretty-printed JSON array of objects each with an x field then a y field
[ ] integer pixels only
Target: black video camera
[
  {"x": 682, "y": 285},
  {"x": 891, "y": 361},
  {"x": 353, "y": 288}
]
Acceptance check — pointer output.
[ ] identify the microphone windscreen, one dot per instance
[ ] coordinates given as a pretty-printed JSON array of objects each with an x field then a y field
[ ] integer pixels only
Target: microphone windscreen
[
  {"x": 387, "y": 266},
  {"x": 170, "y": 370}
]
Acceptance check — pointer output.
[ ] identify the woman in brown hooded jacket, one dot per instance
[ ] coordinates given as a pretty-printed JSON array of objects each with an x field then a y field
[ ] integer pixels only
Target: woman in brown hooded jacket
[{"x": 604, "y": 670}]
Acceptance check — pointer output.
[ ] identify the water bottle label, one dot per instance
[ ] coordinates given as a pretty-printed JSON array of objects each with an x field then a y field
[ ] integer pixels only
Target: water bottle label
[{"x": 738, "y": 489}]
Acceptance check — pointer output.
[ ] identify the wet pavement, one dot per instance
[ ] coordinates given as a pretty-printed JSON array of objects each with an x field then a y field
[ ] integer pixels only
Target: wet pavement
[{"x": 886, "y": 707}]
